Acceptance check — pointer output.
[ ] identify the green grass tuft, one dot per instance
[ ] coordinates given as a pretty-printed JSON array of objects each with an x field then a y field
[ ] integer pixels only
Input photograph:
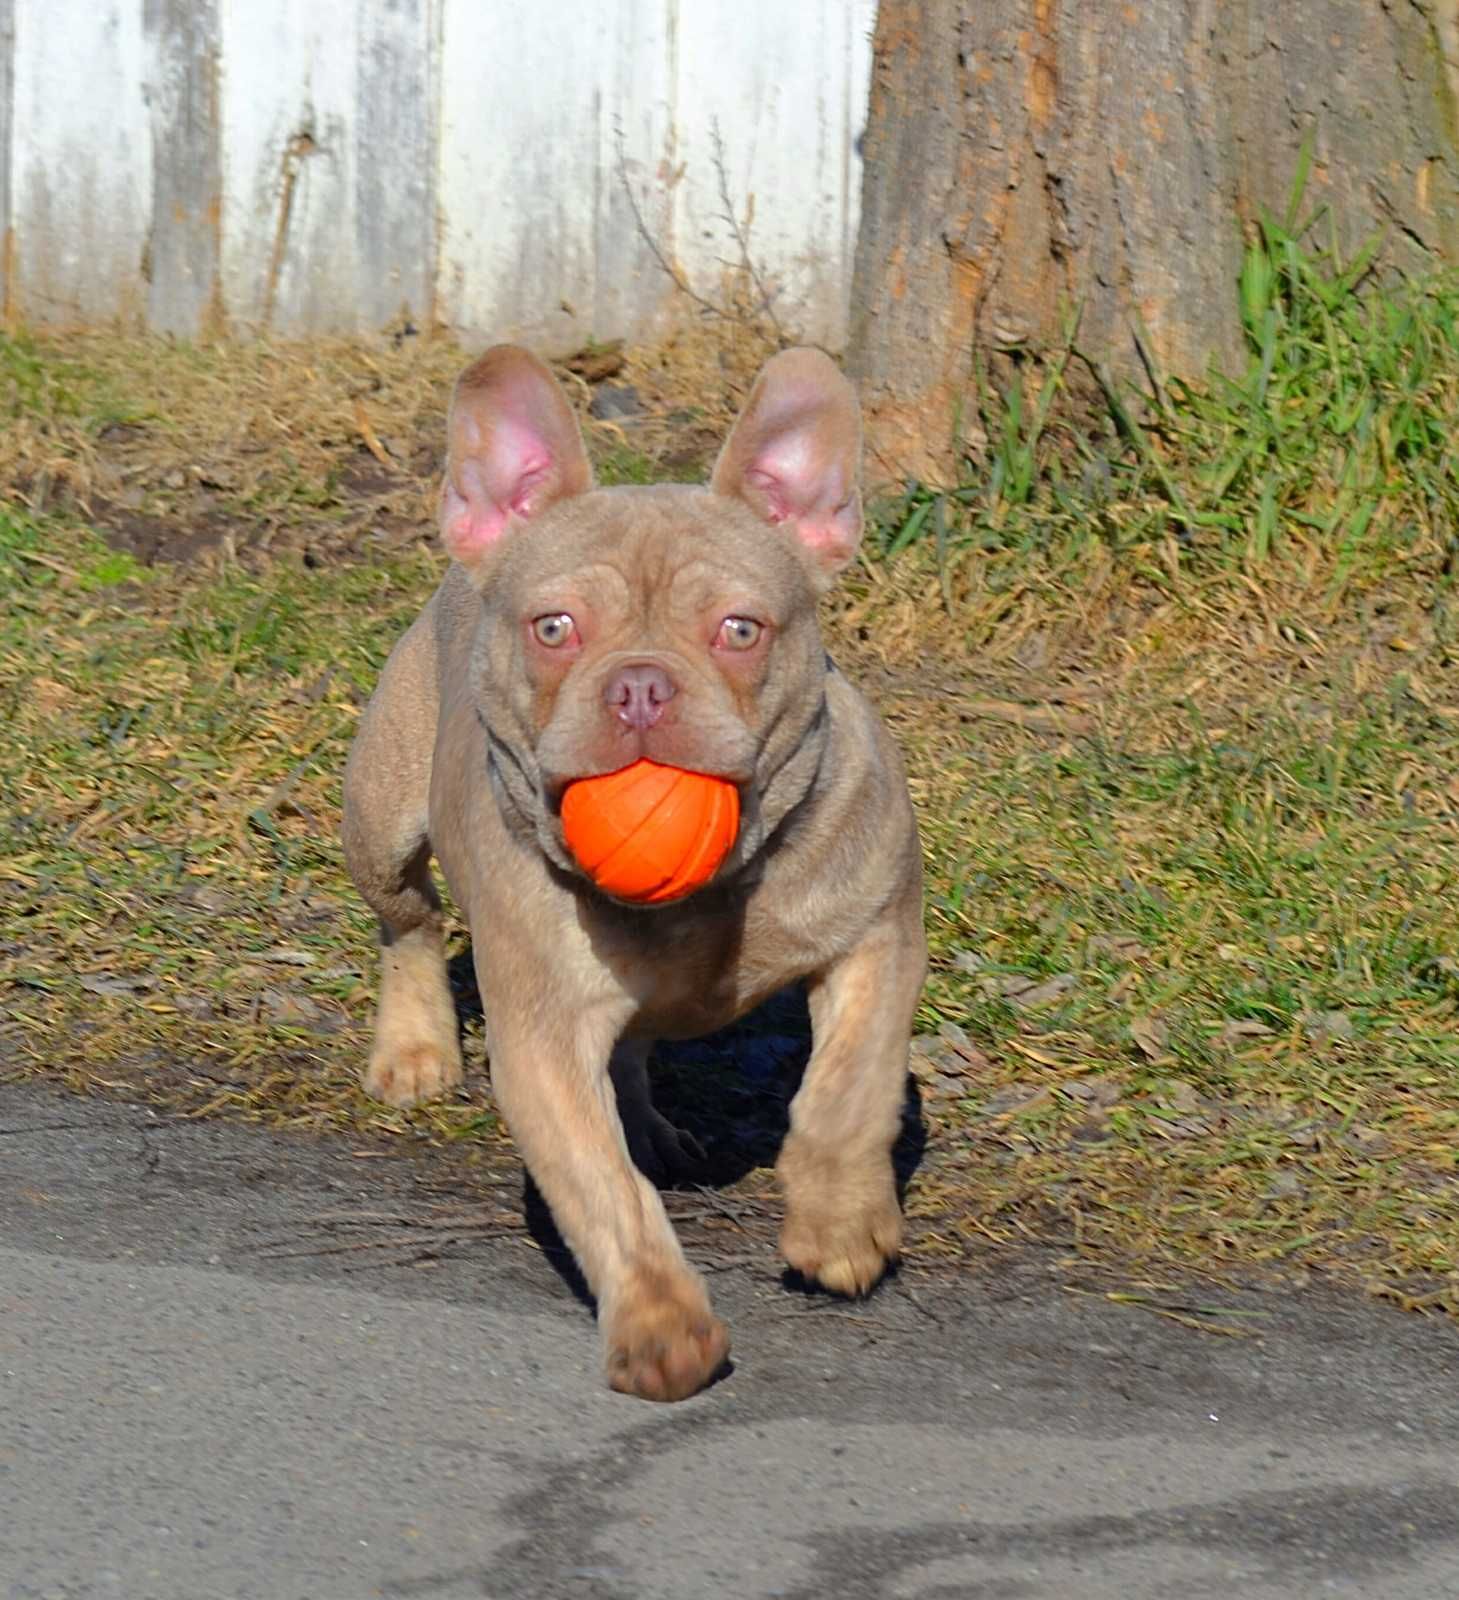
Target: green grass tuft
[{"x": 1333, "y": 449}]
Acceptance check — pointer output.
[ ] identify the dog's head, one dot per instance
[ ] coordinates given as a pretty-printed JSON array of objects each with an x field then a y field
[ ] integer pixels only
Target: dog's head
[{"x": 676, "y": 623}]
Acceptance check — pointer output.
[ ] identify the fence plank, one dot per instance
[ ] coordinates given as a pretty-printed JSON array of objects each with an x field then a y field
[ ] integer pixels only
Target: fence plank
[
  {"x": 288, "y": 104},
  {"x": 394, "y": 202},
  {"x": 82, "y": 162},
  {"x": 520, "y": 169},
  {"x": 184, "y": 289},
  {"x": 773, "y": 102},
  {"x": 7, "y": 104},
  {"x": 634, "y": 169}
]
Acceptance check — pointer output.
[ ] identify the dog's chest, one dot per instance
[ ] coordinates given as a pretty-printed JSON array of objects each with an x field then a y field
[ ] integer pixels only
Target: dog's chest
[{"x": 691, "y": 974}]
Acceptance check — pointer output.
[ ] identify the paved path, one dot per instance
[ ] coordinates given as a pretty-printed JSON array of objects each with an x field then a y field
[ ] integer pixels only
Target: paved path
[{"x": 186, "y": 1414}]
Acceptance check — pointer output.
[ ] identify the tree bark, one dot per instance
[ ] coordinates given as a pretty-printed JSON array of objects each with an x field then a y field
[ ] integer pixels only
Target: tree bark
[{"x": 1027, "y": 156}]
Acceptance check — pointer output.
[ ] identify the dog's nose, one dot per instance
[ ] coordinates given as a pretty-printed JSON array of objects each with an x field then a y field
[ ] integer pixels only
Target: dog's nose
[{"x": 637, "y": 694}]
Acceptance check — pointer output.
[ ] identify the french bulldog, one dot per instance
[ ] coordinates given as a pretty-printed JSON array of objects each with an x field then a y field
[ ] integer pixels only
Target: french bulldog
[{"x": 577, "y": 630}]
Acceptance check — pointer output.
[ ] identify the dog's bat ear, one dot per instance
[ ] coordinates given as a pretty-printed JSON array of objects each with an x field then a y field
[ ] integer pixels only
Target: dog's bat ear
[
  {"x": 513, "y": 447},
  {"x": 794, "y": 456}
]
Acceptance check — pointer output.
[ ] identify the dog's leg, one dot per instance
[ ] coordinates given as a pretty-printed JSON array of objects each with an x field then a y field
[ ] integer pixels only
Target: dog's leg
[
  {"x": 842, "y": 1222},
  {"x": 417, "y": 1052},
  {"x": 553, "y": 1087},
  {"x": 660, "y": 1150}
]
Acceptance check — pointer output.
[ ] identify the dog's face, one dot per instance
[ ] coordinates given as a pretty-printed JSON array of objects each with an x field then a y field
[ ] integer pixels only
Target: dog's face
[
  {"x": 673, "y": 623},
  {"x": 666, "y": 623}
]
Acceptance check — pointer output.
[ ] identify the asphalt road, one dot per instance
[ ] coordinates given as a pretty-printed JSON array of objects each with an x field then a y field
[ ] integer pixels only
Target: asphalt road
[{"x": 191, "y": 1409}]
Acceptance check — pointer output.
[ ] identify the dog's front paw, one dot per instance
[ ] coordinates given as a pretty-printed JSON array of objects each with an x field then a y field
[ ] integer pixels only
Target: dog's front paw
[
  {"x": 407, "y": 1075},
  {"x": 662, "y": 1340},
  {"x": 843, "y": 1226}
]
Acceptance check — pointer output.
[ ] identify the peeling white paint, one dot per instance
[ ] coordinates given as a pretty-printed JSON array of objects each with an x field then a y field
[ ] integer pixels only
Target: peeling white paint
[
  {"x": 81, "y": 166},
  {"x": 288, "y": 162},
  {"x": 785, "y": 85},
  {"x": 469, "y": 161}
]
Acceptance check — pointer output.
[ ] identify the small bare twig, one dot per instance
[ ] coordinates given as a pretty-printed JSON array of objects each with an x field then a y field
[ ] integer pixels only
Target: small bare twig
[
  {"x": 825, "y": 1309},
  {"x": 716, "y": 1205},
  {"x": 717, "y": 1263},
  {"x": 677, "y": 276},
  {"x": 917, "y": 1300},
  {"x": 742, "y": 234}
]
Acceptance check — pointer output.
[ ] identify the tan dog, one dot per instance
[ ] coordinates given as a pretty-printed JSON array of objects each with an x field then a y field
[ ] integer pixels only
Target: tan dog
[{"x": 577, "y": 630}]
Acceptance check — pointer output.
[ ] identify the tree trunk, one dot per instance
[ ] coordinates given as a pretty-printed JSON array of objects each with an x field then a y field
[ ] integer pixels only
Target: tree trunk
[{"x": 1024, "y": 156}]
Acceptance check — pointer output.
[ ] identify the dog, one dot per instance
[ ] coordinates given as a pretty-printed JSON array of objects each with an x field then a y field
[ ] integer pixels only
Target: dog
[{"x": 579, "y": 629}]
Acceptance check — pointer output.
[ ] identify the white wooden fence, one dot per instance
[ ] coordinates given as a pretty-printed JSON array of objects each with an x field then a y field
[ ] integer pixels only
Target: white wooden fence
[{"x": 325, "y": 165}]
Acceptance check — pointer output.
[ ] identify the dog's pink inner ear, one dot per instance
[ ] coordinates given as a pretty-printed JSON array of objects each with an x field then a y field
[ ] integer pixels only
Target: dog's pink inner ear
[
  {"x": 514, "y": 449},
  {"x": 500, "y": 479},
  {"x": 794, "y": 455},
  {"x": 814, "y": 496}
]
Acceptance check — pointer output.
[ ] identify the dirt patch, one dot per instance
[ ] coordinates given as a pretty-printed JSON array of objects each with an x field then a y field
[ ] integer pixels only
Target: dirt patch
[
  {"x": 364, "y": 478},
  {"x": 151, "y": 539},
  {"x": 316, "y": 453}
]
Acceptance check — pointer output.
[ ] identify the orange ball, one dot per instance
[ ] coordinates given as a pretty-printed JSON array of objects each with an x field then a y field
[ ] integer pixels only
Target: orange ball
[{"x": 650, "y": 833}]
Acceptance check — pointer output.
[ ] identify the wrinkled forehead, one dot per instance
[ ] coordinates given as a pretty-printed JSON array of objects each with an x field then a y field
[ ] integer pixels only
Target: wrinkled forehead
[{"x": 680, "y": 549}]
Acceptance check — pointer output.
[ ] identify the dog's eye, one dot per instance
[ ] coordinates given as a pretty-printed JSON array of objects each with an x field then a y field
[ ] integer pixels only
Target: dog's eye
[
  {"x": 554, "y": 630},
  {"x": 739, "y": 633}
]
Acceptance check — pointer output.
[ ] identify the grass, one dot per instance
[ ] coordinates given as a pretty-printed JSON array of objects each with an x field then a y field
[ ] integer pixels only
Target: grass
[
  {"x": 1216, "y": 964},
  {"x": 1176, "y": 682},
  {"x": 170, "y": 885},
  {"x": 1323, "y": 473}
]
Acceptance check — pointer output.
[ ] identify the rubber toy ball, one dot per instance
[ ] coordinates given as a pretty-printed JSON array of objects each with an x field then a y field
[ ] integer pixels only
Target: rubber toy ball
[{"x": 650, "y": 833}]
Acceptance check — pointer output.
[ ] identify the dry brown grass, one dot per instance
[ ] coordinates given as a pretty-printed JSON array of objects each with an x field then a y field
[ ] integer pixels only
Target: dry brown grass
[{"x": 322, "y": 448}]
